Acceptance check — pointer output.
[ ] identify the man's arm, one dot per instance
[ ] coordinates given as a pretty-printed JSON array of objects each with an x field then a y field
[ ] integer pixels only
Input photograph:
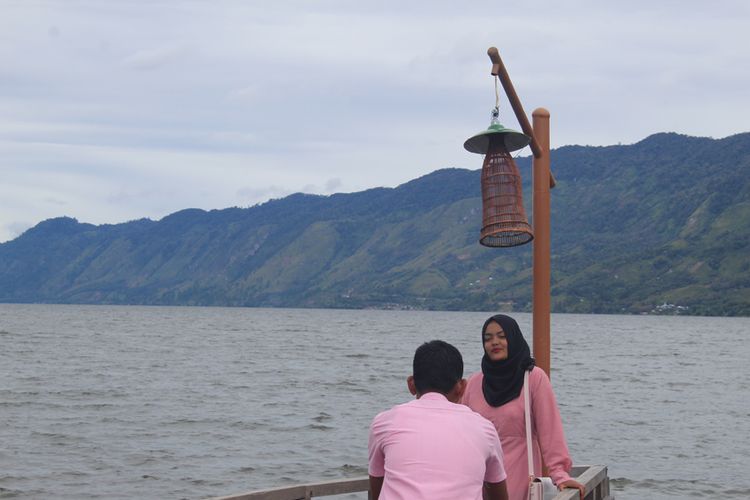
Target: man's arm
[
  {"x": 495, "y": 491},
  {"x": 376, "y": 484}
]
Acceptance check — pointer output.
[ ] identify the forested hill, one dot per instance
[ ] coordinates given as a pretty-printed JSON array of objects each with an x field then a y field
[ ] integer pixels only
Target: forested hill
[{"x": 660, "y": 226}]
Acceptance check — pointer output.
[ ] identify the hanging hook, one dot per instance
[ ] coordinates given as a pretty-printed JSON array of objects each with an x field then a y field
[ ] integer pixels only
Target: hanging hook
[{"x": 496, "y": 111}]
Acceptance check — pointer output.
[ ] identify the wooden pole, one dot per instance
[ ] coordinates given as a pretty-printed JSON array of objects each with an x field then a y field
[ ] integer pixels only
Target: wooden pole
[{"x": 541, "y": 257}]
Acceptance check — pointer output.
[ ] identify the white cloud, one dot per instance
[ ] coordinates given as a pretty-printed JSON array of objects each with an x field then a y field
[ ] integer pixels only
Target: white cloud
[{"x": 149, "y": 59}]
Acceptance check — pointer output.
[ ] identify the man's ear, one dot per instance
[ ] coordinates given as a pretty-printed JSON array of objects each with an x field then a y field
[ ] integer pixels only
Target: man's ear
[
  {"x": 461, "y": 387},
  {"x": 455, "y": 394},
  {"x": 410, "y": 384}
]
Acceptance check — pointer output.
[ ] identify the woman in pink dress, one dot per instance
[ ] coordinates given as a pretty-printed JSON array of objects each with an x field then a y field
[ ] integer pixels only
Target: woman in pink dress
[{"x": 495, "y": 393}]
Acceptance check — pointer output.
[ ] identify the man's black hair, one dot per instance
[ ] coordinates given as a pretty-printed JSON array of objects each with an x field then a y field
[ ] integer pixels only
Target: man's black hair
[{"x": 437, "y": 367}]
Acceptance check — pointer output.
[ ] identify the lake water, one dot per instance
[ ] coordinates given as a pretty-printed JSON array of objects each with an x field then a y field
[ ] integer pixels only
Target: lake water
[{"x": 178, "y": 402}]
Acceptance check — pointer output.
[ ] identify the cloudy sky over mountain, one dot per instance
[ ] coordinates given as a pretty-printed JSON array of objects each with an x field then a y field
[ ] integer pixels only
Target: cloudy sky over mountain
[{"x": 117, "y": 110}]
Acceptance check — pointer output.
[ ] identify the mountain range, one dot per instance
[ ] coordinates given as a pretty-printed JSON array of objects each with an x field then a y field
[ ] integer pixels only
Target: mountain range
[{"x": 661, "y": 226}]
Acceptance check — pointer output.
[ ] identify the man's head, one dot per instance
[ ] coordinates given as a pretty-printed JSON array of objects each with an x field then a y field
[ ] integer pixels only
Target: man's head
[{"x": 438, "y": 367}]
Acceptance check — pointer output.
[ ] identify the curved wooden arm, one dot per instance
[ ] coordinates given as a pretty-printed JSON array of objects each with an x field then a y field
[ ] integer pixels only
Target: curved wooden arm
[{"x": 498, "y": 69}]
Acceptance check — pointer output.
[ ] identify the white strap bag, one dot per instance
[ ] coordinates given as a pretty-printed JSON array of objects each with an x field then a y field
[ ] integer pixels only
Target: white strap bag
[{"x": 540, "y": 488}]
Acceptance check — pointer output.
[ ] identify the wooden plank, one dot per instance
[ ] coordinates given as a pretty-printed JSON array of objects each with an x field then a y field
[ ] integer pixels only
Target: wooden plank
[
  {"x": 339, "y": 487},
  {"x": 301, "y": 492},
  {"x": 286, "y": 493}
]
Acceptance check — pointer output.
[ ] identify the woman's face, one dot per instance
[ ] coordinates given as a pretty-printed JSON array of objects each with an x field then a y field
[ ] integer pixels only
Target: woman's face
[{"x": 495, "y": 343}]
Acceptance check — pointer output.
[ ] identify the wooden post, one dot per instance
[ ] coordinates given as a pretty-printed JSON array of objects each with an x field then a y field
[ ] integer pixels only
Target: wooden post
[{"x": 541, "y": 257}]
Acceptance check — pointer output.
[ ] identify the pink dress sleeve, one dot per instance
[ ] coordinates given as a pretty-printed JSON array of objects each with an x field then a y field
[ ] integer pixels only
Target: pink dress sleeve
[{"x": 547, "y": 426}]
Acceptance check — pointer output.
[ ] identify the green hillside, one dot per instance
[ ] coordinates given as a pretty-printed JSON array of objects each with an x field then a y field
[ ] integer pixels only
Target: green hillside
[{"x": 660, "y": 226}]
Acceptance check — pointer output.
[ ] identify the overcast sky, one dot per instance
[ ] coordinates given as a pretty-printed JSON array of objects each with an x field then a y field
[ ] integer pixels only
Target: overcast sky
[{"x": 117, "y": 110}]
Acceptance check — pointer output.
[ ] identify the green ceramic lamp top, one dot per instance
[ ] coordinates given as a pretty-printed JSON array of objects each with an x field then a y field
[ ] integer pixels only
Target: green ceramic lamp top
[{"x": 512, "y": 139}]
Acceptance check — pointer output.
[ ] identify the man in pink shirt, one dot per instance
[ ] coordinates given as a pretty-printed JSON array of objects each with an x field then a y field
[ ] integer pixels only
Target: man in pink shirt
[{"x": 432, "y": 447}]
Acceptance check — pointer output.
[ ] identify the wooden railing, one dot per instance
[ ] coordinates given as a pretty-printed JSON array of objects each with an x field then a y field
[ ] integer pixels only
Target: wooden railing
[
  {"x": 306, "y": 491},
  {"x": 593, "y": 477}
]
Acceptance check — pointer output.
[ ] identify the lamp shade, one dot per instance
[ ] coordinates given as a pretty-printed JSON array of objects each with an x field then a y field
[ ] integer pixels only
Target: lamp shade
[{"x": 510, "y": 139}]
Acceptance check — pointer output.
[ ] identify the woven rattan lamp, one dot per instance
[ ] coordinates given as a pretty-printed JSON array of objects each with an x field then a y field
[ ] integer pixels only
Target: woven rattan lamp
[{"x": 504, "y": 222}]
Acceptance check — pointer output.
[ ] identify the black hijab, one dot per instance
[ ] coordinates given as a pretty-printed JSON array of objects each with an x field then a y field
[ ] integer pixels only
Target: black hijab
[{"x": 503, "y": 380}]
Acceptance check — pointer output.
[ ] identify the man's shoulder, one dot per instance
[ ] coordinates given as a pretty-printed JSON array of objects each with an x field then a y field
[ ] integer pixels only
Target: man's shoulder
[{"x": 390, "y": 413}]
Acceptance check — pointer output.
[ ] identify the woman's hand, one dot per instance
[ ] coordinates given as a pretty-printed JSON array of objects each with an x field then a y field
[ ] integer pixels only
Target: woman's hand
[{"x": 570, "y": 483}]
